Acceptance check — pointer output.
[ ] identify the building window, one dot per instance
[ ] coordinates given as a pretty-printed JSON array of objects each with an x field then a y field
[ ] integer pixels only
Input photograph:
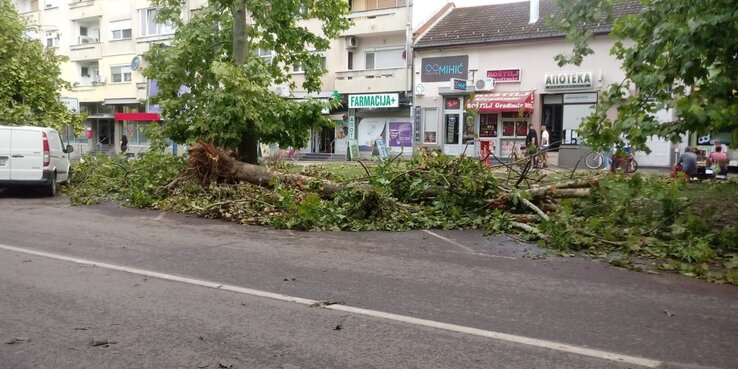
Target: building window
[
  {"x": 52, "y": 39},
  {"x": 120, "y": 74},
  {"x": 149, "y": 26},
  {"x": 350, "y": 60},
  {"x": 301, "y": 67},
  {"x": 266, "y": 55},
  {"x": 120, "y": 30},
  {"x": 430, "y": 125},
  {"x": 385, "y": 59},
  {"x": 359, "y": 5}
]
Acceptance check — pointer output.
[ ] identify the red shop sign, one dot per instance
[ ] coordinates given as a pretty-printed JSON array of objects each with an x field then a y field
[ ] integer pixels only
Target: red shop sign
[
  {"x": 504, "y": 75},
  {"x": 453, "y": 103}
]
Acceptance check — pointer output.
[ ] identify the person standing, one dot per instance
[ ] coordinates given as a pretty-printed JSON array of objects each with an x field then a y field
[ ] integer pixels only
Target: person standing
[
  {"x": 123, "y": 144},
  {"x": 531, "y": 140},
  {"x": 545, "y": 143}
]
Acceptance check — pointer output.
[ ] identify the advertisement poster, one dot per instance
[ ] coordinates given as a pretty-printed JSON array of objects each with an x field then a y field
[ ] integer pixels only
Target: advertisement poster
[
  {"x": 369, "y": 129},
  {"x": 507, "y": 146},
  {"x": 486, "y": 147},
  {"x": 400, "y": 134}
]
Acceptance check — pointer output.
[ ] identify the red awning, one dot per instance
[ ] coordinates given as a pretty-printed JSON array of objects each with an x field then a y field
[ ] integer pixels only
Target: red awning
[
  {"x": 503, "y": 102},
  {"x": 137, "y": 116}
]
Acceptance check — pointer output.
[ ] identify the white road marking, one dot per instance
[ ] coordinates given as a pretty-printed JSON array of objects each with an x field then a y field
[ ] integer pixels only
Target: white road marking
[
  {"x": 527, "y": 341},
  {"x": 467, "y": 248},
  {"x": 160, "y": 216}
]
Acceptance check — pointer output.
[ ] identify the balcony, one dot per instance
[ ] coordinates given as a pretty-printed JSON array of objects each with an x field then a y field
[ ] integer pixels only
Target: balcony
[
  {"x": 80, "y": 9},
  {"x": 373, "y": 80},
  {"x": 377, "y": 21},
  {"x": 85, "y": 51}
]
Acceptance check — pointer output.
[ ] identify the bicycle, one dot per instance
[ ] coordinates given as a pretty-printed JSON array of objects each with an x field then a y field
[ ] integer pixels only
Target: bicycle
[
  {"x": 594, "y": 160},
  {"x": 294, "y": 154},
  {"x": 626, "y": 164}
]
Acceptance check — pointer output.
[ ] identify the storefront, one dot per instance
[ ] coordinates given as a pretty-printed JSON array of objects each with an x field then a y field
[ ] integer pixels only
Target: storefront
[
  {"x": 501, "y": 118},
  {"x": 380, "y": 119}
]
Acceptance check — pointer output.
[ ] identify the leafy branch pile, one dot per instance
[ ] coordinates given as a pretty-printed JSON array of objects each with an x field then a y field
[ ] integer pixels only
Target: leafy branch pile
[{"x": 625, "y": 219}]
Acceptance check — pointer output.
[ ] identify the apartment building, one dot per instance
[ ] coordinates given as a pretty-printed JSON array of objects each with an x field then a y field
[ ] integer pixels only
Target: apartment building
[
  {"x": 369, "y": 66},
  {"x": 104, "y": 40}
]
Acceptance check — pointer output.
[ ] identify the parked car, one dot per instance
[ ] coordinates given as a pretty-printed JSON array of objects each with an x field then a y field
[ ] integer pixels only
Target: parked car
[{"x": 33, "y": 156}]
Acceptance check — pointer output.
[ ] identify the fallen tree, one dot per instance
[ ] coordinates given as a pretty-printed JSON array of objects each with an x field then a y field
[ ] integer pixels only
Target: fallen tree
[{"x": 593, "y": 212}]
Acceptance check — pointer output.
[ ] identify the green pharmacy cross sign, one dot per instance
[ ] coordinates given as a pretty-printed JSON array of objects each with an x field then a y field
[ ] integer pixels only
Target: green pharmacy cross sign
[{"x": 374, "y": 101}]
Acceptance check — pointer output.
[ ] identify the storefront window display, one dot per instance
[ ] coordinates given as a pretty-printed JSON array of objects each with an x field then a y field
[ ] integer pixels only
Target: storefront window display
[
  {"x": 514, "y": 130},
  {"x": 430, "y": 126}
]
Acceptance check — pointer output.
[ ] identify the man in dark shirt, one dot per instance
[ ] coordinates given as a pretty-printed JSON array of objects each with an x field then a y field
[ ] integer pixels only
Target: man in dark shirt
[{"x": 531, "y": 140}]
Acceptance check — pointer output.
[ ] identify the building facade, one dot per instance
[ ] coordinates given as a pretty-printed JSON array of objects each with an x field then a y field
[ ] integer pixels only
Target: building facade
[
  {"x": 506, "y": 78},
  {"x": 104, "y": 41}
]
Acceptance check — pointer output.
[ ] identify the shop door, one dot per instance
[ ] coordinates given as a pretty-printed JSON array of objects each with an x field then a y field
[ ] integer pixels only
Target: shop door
[
  {"x": 105, "y": 133},
  {"x": 454, "y": 127}
]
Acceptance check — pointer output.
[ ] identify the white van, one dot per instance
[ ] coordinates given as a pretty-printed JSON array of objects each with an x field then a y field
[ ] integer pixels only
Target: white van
[{"x": 33, "y": 156}]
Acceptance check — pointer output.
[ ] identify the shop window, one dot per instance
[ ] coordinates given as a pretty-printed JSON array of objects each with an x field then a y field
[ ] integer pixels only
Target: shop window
[
  {"x": 69, "y": 137},
  {"x": 488, "y": 125},
  {"x": 430, "y": 126},
  {"x": 469, "y": 129},
  {"x": 452, "y": 130}
]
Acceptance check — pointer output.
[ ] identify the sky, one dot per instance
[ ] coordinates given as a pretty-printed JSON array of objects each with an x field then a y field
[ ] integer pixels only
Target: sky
[{"x": 424, "y": 9}]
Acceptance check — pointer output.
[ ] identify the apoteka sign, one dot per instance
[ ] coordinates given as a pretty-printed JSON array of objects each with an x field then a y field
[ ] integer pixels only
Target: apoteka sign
[
  {"x": 569, "y": 80},
  {"x": 374, "y": 101}
]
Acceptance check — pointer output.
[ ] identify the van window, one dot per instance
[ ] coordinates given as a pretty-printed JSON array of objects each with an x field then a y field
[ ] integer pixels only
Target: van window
[{"x": 54, "y": 142}]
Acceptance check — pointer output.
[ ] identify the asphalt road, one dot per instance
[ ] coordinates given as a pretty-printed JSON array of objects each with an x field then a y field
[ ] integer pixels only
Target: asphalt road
[{"x": 175, "y": 291}]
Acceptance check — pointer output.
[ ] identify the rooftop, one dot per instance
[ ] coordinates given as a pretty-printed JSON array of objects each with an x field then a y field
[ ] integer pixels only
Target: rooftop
[{"x": 496, "y": 23}]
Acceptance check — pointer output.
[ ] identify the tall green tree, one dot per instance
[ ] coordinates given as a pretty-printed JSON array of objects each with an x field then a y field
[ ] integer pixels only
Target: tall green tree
[
  {"x": 676, "y": 54},
  {"x": 30, "y": 77},
  {"x": 213, "y": 84}
]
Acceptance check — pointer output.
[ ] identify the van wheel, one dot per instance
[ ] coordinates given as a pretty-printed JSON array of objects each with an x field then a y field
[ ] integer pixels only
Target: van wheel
[{"x": 51, "y": 187}]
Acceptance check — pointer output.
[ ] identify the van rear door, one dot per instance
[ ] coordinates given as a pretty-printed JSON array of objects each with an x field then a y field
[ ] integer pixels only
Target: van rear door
[
  {"x": 4, "y": 153},
  {"x": 26, "y": 154}
]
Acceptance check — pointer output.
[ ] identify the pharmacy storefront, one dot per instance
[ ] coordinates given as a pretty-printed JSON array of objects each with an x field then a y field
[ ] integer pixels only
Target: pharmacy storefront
[{"x": 380, "y": 119}]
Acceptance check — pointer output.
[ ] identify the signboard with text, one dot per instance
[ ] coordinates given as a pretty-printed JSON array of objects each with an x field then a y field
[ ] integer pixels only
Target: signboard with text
[
  {"x": 443, "y": 68},
  {"x": 458, "y": 84},
  {"x": 504, "y": 75},
  {"x": 568, "y": 80},
  {"x": 374, "y": 101}
]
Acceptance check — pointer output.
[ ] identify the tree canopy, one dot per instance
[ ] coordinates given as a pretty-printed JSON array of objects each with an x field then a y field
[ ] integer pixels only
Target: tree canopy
[
  {"x": 214, "y": 86},
  {"x": 676, "y": 54},
  {"x": 30, "y": 81}
]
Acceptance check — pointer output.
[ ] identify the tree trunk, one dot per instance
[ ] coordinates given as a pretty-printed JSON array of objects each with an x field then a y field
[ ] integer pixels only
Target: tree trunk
[
  {"x": 248, "y": 146},
  {"x": 210, "y": 164}
]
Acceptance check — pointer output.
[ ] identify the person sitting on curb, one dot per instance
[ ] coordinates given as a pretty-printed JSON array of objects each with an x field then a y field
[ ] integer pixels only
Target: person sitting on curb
[
  {"x": 719, "y": 159},
  {"x": 688, "y": 161}
]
